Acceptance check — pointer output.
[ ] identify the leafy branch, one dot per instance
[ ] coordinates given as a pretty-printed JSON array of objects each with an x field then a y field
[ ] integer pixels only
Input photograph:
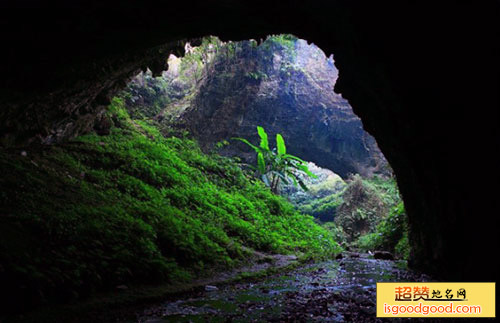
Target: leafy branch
[{"x": 276, "y": 166}]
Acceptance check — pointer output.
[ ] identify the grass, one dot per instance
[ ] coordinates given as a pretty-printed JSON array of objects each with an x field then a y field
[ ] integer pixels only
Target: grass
[{"x": 134, "y": 207}]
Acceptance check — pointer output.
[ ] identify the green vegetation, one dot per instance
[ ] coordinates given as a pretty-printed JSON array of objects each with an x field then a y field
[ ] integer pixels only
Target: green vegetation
[
  {"x": 286, "y": 40},
  {"x": 325, "y": 187},
  {"x": 276, "y": 165},
  {"x": 322, "y": 198},
  {"x": 151, "y": 91},
  {"x": 135, "y": 206},
  {"x": 366, "y": 214},
  {"x": 323, "y": 208},
  {"x": 256, "y": 75},
  {"x": 370, "y": 216},
  {"x": 386, "y": 189},
  {"x": 283, "y": 41},
  {"x": 337, "y": 233},
  {"x": 193, "y": 62},
  {"x": 365, "y": 203},
  {"x": 391, "y": 234}
]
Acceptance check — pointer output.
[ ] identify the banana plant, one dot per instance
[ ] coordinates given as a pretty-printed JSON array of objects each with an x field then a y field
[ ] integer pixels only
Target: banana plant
[{"x": 276, "y": 166}]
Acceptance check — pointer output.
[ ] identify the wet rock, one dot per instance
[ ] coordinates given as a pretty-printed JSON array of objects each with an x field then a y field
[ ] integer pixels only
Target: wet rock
[
  {"x": 319, "y": 292},
  {"x": 103, "y": 125},
  {"x": 385, "y": 255},
  {"x": 210, "y": 288}
]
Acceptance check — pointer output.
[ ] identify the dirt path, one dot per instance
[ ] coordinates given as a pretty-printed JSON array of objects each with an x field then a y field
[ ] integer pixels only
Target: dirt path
[{"x": 334, "y": 291}]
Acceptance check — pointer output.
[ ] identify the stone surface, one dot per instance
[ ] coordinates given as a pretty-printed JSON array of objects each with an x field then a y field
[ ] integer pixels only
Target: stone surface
[{"x": 210, "y": 288}]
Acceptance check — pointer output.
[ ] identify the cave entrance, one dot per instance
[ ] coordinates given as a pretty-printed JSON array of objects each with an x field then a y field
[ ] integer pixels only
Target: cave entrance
[
  {"x": 226, "y": 95},
  {"x": 428, "y": 80},
  {"x": 220, "y": 90}
]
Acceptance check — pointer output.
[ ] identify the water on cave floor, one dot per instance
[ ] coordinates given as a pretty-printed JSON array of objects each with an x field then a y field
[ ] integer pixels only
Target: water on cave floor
[{"x": 337, "y": 290}]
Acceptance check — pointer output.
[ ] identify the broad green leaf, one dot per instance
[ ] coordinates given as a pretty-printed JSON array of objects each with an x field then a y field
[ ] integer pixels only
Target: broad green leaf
[
  {"x": 288, "y": 156},
  {"x": 283, "y": 177},
  {"x": 261, "y": 163},
  {"x": 293, "y": 176},
  {"x": 264, "y": 143},
  {"x": 257, "y": 149},
  {"x": 280, "y": 143},
  {"x": 304, "y": 187},
  {"x": 306, "y": 170},
  {"x": 277, "y": 162}
]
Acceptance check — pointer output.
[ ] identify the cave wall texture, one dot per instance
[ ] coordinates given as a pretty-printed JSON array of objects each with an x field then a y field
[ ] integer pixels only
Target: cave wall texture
[{"x": 422, "y": 77}]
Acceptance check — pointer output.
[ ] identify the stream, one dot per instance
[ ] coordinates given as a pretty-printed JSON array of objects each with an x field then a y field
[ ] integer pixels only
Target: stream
[{"x": 341, "y": 290}]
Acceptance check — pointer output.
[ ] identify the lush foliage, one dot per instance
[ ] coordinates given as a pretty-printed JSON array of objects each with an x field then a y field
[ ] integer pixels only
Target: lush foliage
[
  {"x": 337, "y": 233},
  {"x": 385, "y": 188},
  {"x": 276, "y": 165},
  {"x": 391, "y": 234},
  {"x": 285, "y": 42},
  {"x": 365, "y": 202},
  {"x": 324, "y": 208},
  {"x": 135, "y": 206},
  {"x": 391, "y": 230},
  {"x": 196, "y": 58}
]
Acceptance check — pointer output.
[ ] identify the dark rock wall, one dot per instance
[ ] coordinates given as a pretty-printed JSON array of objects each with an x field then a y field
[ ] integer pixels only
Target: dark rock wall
[
  {"x": 423, "y": 77},
  {"x": 72, "y": 101}
]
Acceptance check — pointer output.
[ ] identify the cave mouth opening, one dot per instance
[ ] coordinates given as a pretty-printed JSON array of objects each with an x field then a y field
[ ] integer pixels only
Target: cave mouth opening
[
  {"x": 218, "y": 90},
  {"x": 413, "y": 69}
]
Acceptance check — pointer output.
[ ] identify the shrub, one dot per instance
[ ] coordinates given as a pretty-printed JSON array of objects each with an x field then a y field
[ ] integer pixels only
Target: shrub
[
  {"x": 391, "y": 234},
  {"x": 276, "y": 166},
  {"x": 361, "y": 209}
]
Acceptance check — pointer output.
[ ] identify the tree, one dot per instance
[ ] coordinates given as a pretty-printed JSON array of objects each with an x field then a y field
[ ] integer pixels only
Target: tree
[{"x": 276, "y": 166}]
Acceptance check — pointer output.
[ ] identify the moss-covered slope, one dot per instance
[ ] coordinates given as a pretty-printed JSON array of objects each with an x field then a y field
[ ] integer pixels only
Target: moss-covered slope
[{"x": 134, "y": 206}]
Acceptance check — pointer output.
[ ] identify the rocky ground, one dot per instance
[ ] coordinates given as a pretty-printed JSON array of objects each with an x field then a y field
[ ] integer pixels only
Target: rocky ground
[{"x": 342, "y": 290}]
